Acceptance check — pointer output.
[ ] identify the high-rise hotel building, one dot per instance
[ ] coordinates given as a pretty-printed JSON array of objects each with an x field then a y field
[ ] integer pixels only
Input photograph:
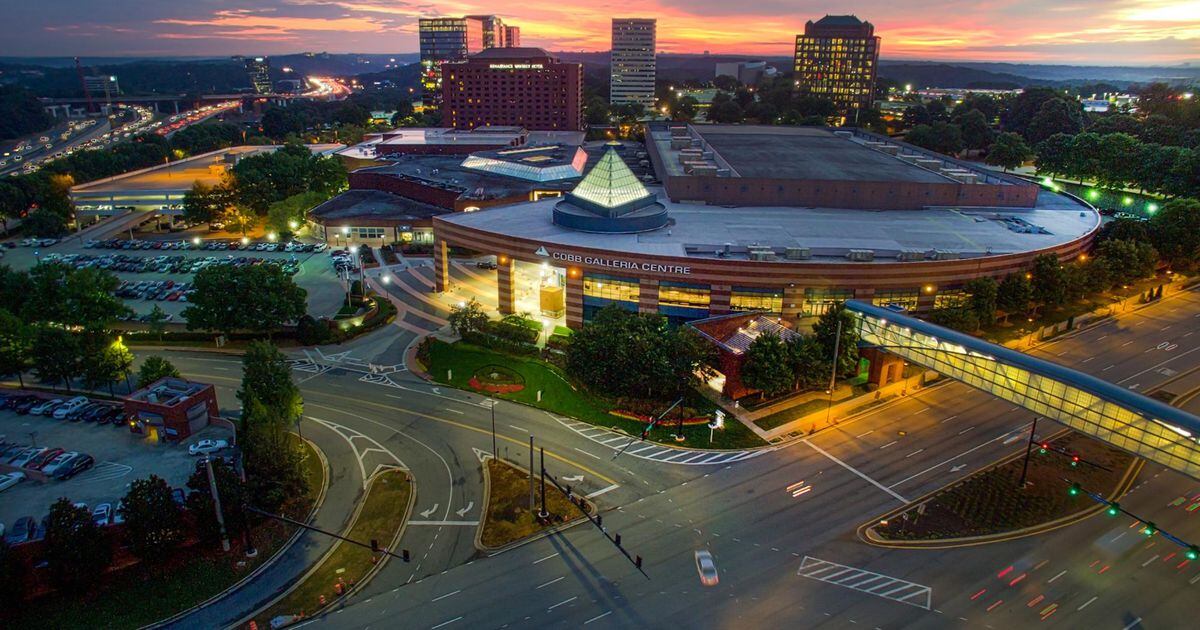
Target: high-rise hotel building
[
  {"x": 836, "y": 58},
  {"x": 519, "y": 87},
  {"x": 445, "y": 39},
  {"x": 632, "y": 67}
]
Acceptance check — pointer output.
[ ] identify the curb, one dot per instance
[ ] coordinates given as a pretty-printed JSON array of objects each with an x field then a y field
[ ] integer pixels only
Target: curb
[
  {"x": 549, "y": 531},
  {"x": 270, "y": 561},
  {"x": 325, "y": 556}
]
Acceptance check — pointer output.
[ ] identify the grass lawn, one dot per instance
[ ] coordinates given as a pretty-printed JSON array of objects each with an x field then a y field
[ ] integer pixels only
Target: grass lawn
[
  {"x": 508, "y": 517},
  {"x": 992, "y": 502},
  {"x": 145, "y": 594},
  {"x": 560, "y": 397},
  {"x": 383, "y": 513}
]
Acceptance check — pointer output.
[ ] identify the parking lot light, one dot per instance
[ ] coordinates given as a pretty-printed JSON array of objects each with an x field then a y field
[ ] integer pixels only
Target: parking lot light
[
  {"x": 245, "y": 240},
  {"x": 271, "y": 236},
  {"x": 195, "y": 240},
  {"x": 293, "y": 224}
]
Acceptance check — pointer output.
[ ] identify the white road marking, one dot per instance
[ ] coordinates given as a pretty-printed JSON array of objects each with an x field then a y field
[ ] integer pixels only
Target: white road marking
[
  {"x": 557, "y": 579},
  {"x": 546, "y": 558},
  {"x": 446, "y": 523},
  {"x": 600, "y": 616},
  {"x": 1133, "y": 623},
  {"x": 890, "y": 588},
  {"x": 446, "y": 623},
  {"x": 602, "y": 491},
  {"x": 949, "y": 419},
  {"x": 888, "y": 444},
  {"x": 1060, "y": 574},
  {"x": 587, "y": 453},
  {"x": 965, "y": 430},
  {"x": 445, "y": 596},
  {"x": 855, "y": 471},
  {"x": 914, "y": 453},
  {"x": 1085, "y": 604},
  {"x": 940, "y": 464},
  {"x": 522, "y": 429},
  {"x": 568, "y": 601},
  {"x": 862, "y": 435}
]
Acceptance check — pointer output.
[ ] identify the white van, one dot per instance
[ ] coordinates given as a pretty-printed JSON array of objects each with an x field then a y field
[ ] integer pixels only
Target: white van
[{"x": 69, "y": 407}]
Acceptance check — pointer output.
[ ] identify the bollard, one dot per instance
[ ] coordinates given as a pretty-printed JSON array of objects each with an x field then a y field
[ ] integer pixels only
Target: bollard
[{"x": 539, "y": 395}]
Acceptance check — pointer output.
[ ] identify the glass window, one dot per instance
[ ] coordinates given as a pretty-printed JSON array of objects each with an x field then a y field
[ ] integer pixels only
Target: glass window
[
  {"x": 818, "y": 301},
  {"x": 610, "y": 287},
  {"x": 752, "y": 299},
  {"x": 906, "y": 298},
  {"x": 951, "y": 298},
  {"x": 679, "y": 294}
]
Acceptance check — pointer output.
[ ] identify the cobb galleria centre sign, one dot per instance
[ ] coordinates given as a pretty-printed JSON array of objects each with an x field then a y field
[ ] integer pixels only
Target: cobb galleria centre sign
[{"x": 613, "y": 263}]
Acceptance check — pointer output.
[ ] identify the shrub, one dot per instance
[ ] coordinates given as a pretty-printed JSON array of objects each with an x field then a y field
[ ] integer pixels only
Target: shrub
[
  {"x": 311, "y": 332},
  {"x": 510, "y": 331},
  {"x": 500, "y": 344}
]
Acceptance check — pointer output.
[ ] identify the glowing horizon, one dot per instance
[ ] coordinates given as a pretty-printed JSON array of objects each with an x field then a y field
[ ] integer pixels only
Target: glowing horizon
[{"x": 1099, "y": 32}]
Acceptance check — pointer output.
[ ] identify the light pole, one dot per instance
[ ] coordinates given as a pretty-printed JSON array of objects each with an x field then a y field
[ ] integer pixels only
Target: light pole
[
  {"x": 1028, "y": 449},
  {"x": 837, "y": 339},
  {"x": 493, "y": 406}
]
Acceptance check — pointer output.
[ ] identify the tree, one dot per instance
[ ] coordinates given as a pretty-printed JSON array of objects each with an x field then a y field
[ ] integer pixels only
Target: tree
[
  {"x": 940, "y": 136},
  {"x": 685, "y": 109},
  {"x": 257, "y": 298},
  {"x": 467, "y": 318},
  {"x": 267, "y": 378},
  {"x": 104, "y": 361},
  {"x": 288, "y": 215},
  {"x": 636, "y": 354},
  {"x": 153, "y": 525},
  {"x": 232, "y": 494},
  {"x": 81, "y": 298},
  {"x": 205, "y": 204},
  {"x": 810, "y": 365},
  {"x": 55, "y": 354},
  {"x": 13, "y": 203},
  {"x": 1055, "y": 116},
  {"x": 825, "y": 332},
  {"x": 1126, "y": 261},
  {"x": 1013, "y": 293},
  {"x": 155, "y": 368},
  {"x": 16, "y": 343},
  {"x": 984, "y": 294},
  {"x": 156, "y": 321},
  {"x": 977, "y": 134},
  {"x": 271, "y": 456},
  {"x": 956, "y": 317},
  {"x": 767, "y": 365},
  {"x": 76, "y": 550},
  {"x": 44, "y": 223},
  {"x": 12, "y": 578},
  {"x": 1054, "y": 154},
  {"x": 1009, "y": 151},
  {"x": 726, "y": 112},
  {"x": 1048, "y": 281},
  {"x": 1115, "y": 167},
  {"x": 1175, "y": 230}
]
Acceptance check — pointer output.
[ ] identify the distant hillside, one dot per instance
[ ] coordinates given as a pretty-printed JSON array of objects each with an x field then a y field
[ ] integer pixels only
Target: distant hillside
[{"x": 922, "y": 75}]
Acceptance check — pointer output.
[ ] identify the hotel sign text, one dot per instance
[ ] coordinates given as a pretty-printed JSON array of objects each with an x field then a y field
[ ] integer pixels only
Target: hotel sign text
[{"x": 515, "y": 66}]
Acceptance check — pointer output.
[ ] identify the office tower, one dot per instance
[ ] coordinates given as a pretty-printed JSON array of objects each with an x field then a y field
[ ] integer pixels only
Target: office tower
[
  {"x": 512, "y": 36},
  {"x": 445, "y": 39},
  {"x": 632, "y": 65},
  {"x": 836, "y": 58},
  {"x": 259, "y": 71},
  {"x": 523, "y": 87}
]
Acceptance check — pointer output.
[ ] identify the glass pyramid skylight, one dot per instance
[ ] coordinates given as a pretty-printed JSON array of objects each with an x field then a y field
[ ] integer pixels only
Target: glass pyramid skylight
[{"x": 611, "y": 185}]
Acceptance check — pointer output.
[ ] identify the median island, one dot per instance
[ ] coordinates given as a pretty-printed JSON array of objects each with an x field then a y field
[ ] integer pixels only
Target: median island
[
  {"x": 991, "y": 506},
  {"x": 508, "y": 515}
]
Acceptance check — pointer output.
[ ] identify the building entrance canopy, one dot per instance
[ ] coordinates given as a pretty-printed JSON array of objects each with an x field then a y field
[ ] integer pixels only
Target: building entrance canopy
[{"x": 1140, "y": 425}]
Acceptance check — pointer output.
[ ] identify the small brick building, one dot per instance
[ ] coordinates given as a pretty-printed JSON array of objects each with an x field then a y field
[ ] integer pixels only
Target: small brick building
[
  {"x": 171, "y": 409},
  {"x": 731, "y": 335}
]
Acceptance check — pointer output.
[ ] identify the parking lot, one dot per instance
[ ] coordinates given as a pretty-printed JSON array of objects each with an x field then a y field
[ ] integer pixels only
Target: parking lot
[
  {"x": 120, "y": 457},
  {"x": 146, "y": 267}
]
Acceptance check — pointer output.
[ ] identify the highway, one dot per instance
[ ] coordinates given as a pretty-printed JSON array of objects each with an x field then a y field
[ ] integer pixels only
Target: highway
[{"x": 779, "y": 522}]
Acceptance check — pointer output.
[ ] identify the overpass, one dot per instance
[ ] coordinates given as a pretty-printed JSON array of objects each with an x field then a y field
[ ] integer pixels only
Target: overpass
[{"x": 1130, "y": 421}]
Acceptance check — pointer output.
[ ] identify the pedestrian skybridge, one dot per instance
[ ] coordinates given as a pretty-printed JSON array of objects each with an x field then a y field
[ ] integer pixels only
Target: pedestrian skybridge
[{"x": 1140, "y": 425}]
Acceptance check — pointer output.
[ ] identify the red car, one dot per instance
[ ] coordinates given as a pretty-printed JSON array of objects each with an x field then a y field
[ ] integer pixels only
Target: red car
[{"x": 37, "y": 463}]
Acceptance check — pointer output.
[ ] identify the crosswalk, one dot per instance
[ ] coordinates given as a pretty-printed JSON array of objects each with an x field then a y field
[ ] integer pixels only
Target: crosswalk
[
  {"x": 868, "y": 582},
  {"x": 654, "y": 451},
  {"x": 104, "y": 471}
]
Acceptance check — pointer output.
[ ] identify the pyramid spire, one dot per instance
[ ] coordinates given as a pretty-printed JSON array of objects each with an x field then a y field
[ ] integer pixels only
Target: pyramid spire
[{"x": 610, "y": 185}]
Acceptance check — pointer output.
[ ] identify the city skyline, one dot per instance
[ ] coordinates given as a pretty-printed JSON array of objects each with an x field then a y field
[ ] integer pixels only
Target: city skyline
[{"x": 1098, "y": 32}]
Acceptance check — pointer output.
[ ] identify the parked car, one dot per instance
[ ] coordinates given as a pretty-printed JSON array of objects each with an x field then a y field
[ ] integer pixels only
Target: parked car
[
  {"x": 74, "y": 466},
  {"x": 178, "y": 496},
  {"x": 27, "y": 405},
  {"x": 70, "y": 406},
  {"x": 486, "y": 264},
  {"x": 706, "y": 568},
  {"x": 54, "y": 465},
  {"x": 118, "y": 516},
  {"x": 20, "y": 531},
  {"x": 43, "y": 458},
  {"x": 46, "y": 407},
  {"x": 102, "y": 515},
  {"x": 206, "y": 446},
  {"x": 9, "y": 480},
  {"x": 26, "y": 456}
]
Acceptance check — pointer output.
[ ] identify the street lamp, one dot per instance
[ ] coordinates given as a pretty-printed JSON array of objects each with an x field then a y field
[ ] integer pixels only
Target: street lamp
[
  {"x": 245, "y": 240},
  {"x": 293, "y": 224},
  {"x": 271, "y": 236}
]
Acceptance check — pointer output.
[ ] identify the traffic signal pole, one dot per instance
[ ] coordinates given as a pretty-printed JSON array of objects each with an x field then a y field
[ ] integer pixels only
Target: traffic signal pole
[{"x": 1028, "y": 450}]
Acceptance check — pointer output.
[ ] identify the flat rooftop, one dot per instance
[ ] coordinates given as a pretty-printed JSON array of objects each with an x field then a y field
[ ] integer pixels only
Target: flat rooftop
[
  {"x": 168, "y": 391},
  {"x": 207, "y": 168},
  {"x": 373, "y": 204},
  {"x": 806, "y": 153},
  {"x": 701, "y": 231}
]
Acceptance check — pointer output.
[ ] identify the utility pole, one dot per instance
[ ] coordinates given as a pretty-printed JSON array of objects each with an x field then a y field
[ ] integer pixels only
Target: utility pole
[
  {"x": 1028, "y": 449},
  {"x": 543, "y": 513},
  {"x": 531, "y": 504},
  {"x": 837, "y": 342},
  {"x": 495, "y": 453},
  {"x": 212, "y": 488}
]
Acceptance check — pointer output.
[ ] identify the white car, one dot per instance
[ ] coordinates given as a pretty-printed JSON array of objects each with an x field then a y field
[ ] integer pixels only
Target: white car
[
  {"x": 69, "y": 407},
  {"x": 45, "y": 406},
  {"x": 58, "y": 462},
  {"x": 204, "y": 447},
  {"x": 11, "y": 479},
  {"x": 27, "y": 455},
  {"x": 102, "y": 515},
  {"x": 706, "y": 568}
]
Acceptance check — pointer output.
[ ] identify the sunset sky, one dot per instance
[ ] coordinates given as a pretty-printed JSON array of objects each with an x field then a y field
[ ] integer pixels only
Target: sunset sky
[{"x": 1105, "y": 32}]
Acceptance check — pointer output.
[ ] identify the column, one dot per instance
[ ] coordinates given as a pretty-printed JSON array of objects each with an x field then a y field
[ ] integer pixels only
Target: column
[
  {"x": 441, "y": 265},
  {"x": 505, "y": 298},
  {"x": 574, "y": 299},
  {"x": 648, "y": 296},
  {"x": 865, "y": 295},
  {"x": 925, "y": 300},
  {"x": 793, "y": 302},
  {"x": 718, "y": 299}
]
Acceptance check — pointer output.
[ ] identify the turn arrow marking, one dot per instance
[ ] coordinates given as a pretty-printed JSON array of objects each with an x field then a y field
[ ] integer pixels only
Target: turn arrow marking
[
  {"x": 431, "y": 510},
  {"x": 464, "y": 511},
  {"x": 958, "y": 468},
  {"x": 575, "y": 479}
]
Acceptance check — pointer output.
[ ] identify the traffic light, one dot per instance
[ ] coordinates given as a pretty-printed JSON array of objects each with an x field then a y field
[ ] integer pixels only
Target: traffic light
[
  {"x": 1074, "y": 490},
  {"x": 1042, "y": 448},
  {"x": 1149, "y": 529},
  {"x": 1192, "y": 553},
  {"x": 1114, "y": 509},
  {"x": 1074, "y": 461}
]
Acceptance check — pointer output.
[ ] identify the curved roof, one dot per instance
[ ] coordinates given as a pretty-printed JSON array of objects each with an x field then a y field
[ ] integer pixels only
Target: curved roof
[{"x": 1137, "y": 403}]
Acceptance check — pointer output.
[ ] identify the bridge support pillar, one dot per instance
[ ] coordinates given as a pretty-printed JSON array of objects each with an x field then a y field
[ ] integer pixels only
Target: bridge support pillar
[{"x": 505, "y": 297}]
